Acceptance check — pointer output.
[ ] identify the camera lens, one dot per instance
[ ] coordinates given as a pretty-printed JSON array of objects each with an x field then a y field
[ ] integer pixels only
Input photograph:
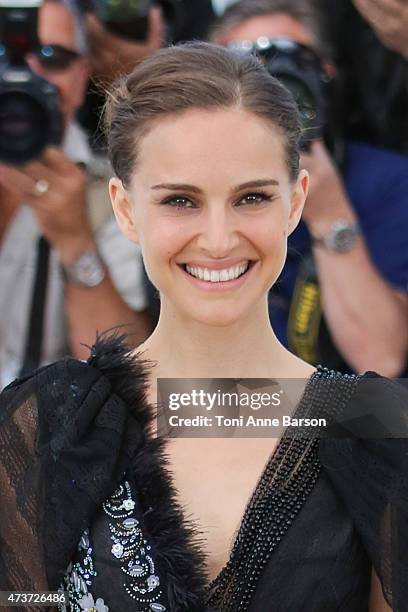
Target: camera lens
[
  {"x": 305, "y": 100},
  {"x": 22, "y": 121},
  {"x": 121, "y": 11}
]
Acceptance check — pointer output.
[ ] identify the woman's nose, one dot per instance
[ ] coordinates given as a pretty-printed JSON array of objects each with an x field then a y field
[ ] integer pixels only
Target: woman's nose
[{"x": 219, "y": 233}]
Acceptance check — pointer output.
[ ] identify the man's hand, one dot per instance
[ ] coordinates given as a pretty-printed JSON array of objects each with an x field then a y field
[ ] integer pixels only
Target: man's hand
[
  {"x": 327, "y": 200},
  {"x": 389, "y": 19},
  {"x": 61, "y": 211},
  {"x": 111, "y": 55}
]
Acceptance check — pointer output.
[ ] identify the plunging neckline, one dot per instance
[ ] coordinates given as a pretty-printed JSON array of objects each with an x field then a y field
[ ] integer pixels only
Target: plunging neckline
[
  {"x": 272, "y": 465},
  {"x": 293, "y": 468}
]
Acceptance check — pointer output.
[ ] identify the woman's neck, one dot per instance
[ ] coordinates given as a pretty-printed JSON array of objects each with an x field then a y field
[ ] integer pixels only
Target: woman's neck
[{"x": 246, "y": 348}]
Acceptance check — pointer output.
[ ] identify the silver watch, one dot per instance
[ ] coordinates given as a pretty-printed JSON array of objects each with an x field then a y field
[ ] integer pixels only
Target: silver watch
[
  {"x": 88, "y": 270},
  {"x": 341, "y": 238}
]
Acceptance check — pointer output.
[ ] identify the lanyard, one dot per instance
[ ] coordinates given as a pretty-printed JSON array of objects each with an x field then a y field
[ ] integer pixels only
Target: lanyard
[{"x": 35, "y": 331}]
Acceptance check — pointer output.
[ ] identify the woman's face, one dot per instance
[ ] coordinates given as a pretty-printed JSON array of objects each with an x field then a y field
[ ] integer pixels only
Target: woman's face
[{"x": 211, "y": 205}]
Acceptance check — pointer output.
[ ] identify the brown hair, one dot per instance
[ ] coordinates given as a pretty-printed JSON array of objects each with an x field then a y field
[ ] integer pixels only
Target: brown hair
[
  {"x": 307, "y": 12},
  {"x": 194, "y": 75}
]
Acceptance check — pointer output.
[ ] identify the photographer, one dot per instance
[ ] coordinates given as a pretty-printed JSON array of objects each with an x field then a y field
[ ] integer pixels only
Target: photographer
[
  {"x": 94, "y": 276},
  {"x": 354, "y": 228},
  {"x": 119, "y": 40}
]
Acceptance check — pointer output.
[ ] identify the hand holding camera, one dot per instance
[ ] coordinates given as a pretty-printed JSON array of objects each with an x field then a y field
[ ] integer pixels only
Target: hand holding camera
[
  {"x": 112, "y": 54},
  {"x": 55, "y": 188},
  {"x": 389, "y": 19}
]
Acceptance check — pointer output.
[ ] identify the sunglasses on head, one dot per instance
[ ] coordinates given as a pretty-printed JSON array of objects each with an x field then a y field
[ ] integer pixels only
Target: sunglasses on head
[{"x": 54, "y": 57}]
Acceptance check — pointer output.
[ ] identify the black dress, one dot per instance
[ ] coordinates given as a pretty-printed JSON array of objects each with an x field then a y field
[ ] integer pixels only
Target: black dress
[{"x": 86, "y": 501}]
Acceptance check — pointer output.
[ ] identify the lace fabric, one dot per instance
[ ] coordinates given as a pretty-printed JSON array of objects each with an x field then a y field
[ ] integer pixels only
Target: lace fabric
[
  {"x": 371, "y": 476},
  {"x": 22, "y": 531},
  {"x": 43, "y": 466},
  {"x": 68, "y": 434},
  {"x": 72, "y": 432}
]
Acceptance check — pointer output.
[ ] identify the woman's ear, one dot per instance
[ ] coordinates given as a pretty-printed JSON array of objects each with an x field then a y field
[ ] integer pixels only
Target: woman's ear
[
  {"x": 299, "y": 195},
  {"x": 122, "y": 208}
]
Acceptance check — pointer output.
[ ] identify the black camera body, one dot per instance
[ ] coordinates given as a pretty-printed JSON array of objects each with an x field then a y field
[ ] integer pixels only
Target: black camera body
[
  {"x": 30, "y": 119},
  {"x": 301, "y": 71},
  {"x": 129, "y": 18}
]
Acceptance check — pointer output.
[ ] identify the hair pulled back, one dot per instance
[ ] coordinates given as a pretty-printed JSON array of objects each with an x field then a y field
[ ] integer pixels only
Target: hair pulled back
[{"x": 194, "y": 75}]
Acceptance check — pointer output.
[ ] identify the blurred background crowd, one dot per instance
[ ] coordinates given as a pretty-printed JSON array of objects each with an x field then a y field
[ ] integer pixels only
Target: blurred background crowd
[{"x": 66, "y": 272}]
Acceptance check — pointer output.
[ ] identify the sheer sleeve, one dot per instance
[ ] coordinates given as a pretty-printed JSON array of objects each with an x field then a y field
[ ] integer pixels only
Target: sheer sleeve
[
  {"x": 66, "y": 438},
  {"x": 368, "y": 467}
]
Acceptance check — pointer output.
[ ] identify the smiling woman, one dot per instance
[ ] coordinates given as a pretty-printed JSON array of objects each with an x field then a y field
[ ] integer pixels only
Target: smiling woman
[
  {"x": 224, "y": 232},
  {"x": 204, "y": 144}
]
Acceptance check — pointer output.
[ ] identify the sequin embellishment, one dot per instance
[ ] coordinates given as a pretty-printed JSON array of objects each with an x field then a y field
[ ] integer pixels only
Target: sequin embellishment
[
  {"x": 79, "y": 577},
  {"x": 130, "y": 547}
]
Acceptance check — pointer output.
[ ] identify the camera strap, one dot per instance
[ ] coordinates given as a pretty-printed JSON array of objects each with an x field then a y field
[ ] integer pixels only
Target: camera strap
[
  {"x": 305, "y": 313},
  {"x": 308, "y": 334},
  {"x": 34, "y": 338}
]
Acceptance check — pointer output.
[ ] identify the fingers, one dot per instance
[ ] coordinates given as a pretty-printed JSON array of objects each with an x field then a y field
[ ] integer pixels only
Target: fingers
[
  {"x": 38, "y": 172},
  {"x": 55, "y": 161},
  {"x": 51, "y": 167},
  {"x": 377, "y": 10},
  {"x": 15, "y": 180},
  {"x": 391, "y": 7},
  {"x": 156, "y": 35}
]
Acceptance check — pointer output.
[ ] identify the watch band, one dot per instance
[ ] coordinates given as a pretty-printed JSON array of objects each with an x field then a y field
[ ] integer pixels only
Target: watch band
[{"x": 88, "y": 270}]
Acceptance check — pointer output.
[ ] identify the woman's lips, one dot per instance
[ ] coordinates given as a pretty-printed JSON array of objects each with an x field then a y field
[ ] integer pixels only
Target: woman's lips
[{"x": 218, "y": 285}]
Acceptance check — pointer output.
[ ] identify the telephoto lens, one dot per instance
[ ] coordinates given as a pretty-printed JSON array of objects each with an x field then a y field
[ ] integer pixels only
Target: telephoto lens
[{"x": 29, "y": 105}]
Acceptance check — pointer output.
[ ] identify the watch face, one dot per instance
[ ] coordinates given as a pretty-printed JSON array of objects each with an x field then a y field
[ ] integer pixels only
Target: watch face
[
  {"x": 343, "y": 237},
  {"x": 88, "y": 270}
]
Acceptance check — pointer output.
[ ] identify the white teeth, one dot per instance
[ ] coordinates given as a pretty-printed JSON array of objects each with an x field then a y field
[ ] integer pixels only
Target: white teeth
[{"x": 216, "y": 276}]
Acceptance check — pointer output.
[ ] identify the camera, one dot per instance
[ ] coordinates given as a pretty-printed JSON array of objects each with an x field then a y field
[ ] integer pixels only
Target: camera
[
  {"x": 129, "y": 18},
  {"x": 29, "y": 105},
  {"x": 301, "y": 71}
]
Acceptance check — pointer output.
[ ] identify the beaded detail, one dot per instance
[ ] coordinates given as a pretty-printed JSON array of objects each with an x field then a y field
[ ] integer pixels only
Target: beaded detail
[
  {"x": 141, "y": 583},
  {"x": 78, "y": 577},
  {"x": 285, "y": 484},
  {"x": 129, "y": 546},
  {"x": 281, "y": 492}
]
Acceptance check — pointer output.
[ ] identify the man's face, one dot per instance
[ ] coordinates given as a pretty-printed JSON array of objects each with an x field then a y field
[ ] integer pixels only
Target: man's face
[
  {"x": 273, "y": 25},
  {"x": 56, "y": 27}
]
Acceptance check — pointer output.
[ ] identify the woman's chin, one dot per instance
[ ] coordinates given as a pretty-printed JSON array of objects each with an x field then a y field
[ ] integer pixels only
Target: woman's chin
[{"x": 216, "y": 316}]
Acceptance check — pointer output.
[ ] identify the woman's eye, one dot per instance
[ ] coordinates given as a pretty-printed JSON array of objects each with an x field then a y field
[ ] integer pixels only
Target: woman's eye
[
  {"x": 179, "y": 202},
  {"x": 254, "y": 198}
]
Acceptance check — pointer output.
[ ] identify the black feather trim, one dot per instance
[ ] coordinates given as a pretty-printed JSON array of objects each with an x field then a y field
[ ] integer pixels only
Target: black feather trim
[
  {"x": 128, "y": 374},
  {"x": 176, "y": 544}
]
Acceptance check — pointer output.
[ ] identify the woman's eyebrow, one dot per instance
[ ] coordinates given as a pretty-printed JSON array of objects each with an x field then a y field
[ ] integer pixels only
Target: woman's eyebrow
[{"x": 194, "y": 189}]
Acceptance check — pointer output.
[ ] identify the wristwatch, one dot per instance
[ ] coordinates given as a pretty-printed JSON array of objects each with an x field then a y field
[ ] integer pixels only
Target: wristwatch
[
  {"x": 341, "y": 238},
  {"x": 88, "y": 270}
]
